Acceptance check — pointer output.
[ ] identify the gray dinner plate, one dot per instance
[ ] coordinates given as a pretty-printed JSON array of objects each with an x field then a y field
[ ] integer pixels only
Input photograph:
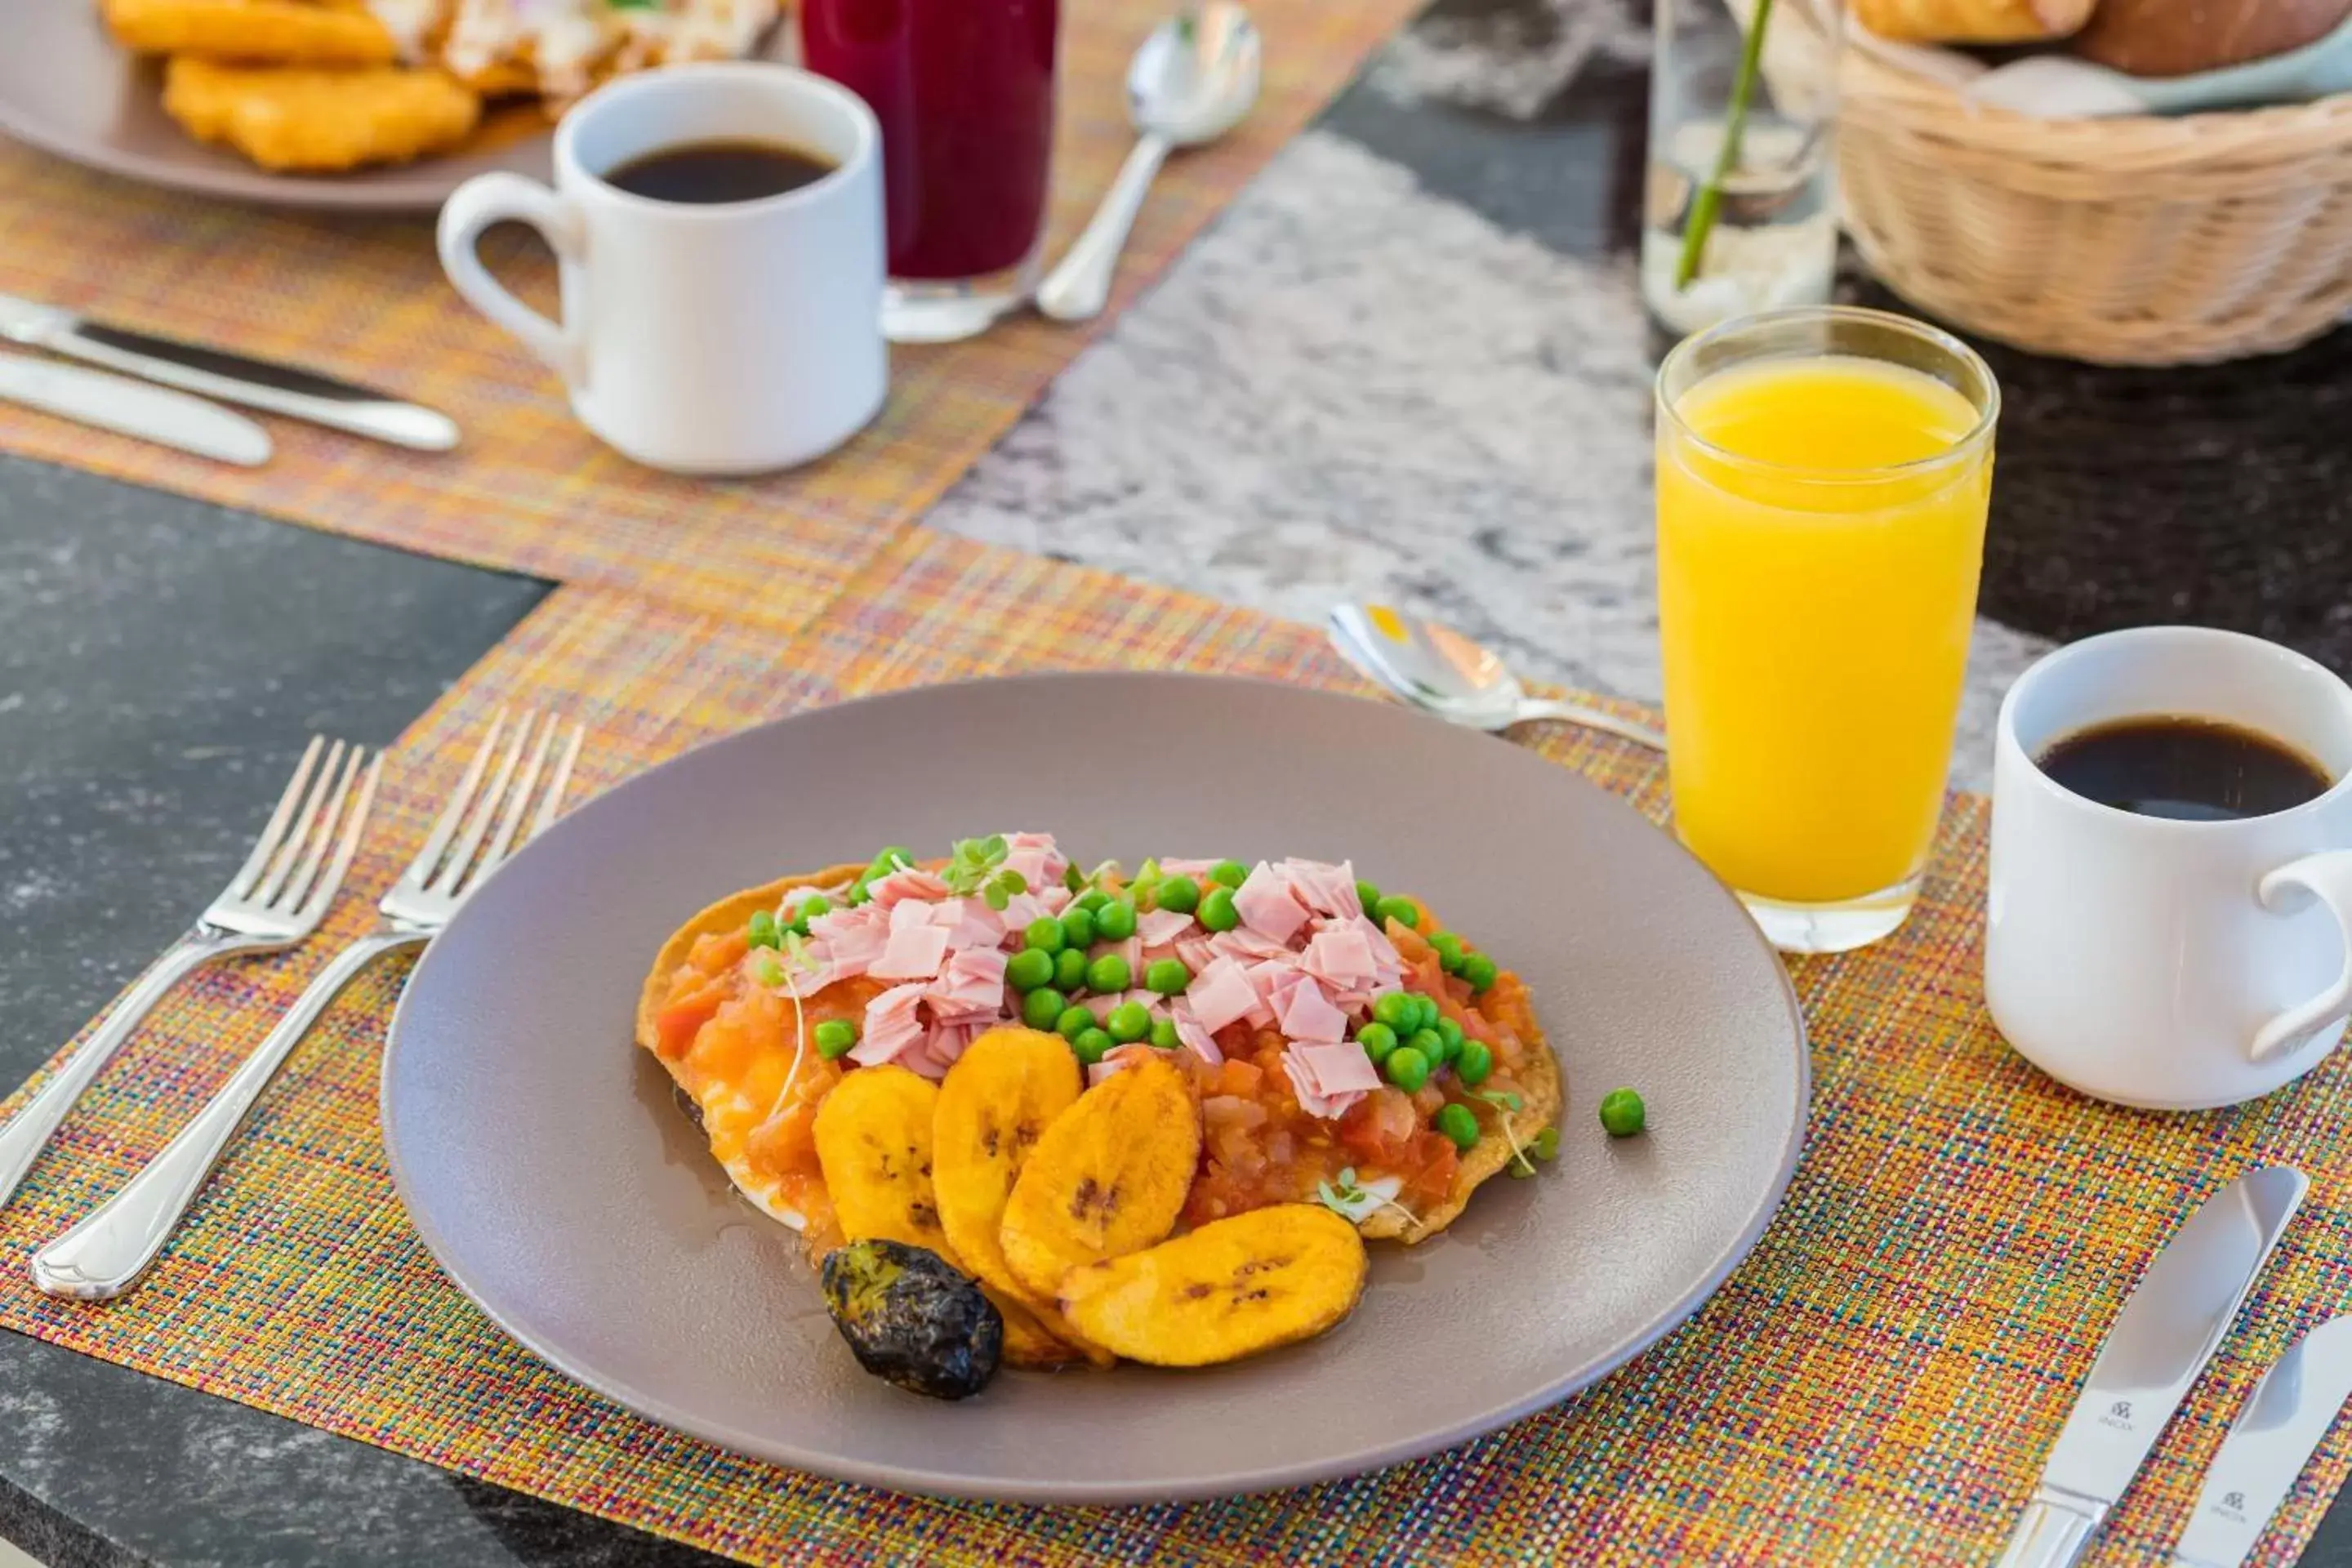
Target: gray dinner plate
[
  {"x": 69, "y": 88},
  {"x": 547, "y": 1167}
]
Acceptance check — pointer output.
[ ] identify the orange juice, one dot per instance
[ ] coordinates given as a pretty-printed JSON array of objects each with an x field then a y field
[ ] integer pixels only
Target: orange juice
[{"x": 1820, "y": 522}]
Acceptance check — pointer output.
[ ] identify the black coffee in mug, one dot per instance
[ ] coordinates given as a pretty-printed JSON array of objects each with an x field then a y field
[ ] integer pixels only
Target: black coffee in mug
[
  {"x": 704, "y": 173},
  {"x": 2192, "y": 770}
]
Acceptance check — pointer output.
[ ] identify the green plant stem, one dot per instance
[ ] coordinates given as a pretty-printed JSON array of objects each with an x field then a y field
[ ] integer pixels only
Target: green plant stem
[{"x": 1727, "y": 157}]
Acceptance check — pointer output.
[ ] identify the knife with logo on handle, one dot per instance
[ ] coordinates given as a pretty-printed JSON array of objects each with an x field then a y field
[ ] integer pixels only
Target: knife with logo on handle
[
  {"x": 233, "y": 378},
  {"x": 2160, "y": 1342},
  {"x": 133, "y": 408},
  {"x": 2285, "y": 1417}
]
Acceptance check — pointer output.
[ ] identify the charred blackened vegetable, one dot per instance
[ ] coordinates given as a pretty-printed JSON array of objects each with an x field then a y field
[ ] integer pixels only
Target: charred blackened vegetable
[{"x": 912, "y": 1318}]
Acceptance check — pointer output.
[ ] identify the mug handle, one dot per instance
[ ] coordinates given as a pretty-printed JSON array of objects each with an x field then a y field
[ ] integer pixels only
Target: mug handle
[
  {"x": 2328, "y": 877},
  {"x": 493, "y": 199}
]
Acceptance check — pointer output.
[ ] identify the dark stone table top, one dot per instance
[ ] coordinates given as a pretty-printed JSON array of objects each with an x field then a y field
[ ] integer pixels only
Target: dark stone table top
[{"x": 161, "y": 662}]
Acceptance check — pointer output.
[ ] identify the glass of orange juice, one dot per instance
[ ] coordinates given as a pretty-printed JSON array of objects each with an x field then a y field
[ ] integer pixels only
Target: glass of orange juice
[{"x": 1822, "y": 479}]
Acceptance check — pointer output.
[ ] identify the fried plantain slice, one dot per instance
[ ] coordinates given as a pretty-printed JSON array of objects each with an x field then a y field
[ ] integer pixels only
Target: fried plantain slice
[
  {"x": 1002, "y": 1094},
  {"x": 874, "y": 1144},
  {"x": 319, "y": 121},
  {"x": 1107, "y": 1178},
  {"x": 1028, "y": 1342},
  {"x": 253, "y": 32},
  {"x": 1232, "y": 1287}
]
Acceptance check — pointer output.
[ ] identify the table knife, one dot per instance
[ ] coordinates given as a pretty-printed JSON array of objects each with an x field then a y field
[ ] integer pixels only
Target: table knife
[
  {"x": 2160, "y": 1343},
  {"x": 2287, "y": 1415},
  {"x": 232, "y": 377},
  {"x": 133, "y": 408}
]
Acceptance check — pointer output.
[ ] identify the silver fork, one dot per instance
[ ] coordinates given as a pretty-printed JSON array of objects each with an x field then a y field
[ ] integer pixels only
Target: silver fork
[
  {"x": 104, "y": 1256},
  {"x": 277, "y": 899}
]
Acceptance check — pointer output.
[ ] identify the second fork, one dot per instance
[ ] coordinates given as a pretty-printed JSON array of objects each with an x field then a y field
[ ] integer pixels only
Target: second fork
[{"x": 103, "y": 1256}]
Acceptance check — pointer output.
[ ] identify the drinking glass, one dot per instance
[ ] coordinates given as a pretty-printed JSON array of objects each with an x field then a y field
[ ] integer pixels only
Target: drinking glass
[
  {"x": 964, "y": 90},
  {"x": 1824, "y": 475}
]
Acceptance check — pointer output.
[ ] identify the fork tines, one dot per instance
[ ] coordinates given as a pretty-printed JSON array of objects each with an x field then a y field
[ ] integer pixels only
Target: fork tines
[
  {"x": 314, "y": 827},
  {"x": 447, "y": 870}
]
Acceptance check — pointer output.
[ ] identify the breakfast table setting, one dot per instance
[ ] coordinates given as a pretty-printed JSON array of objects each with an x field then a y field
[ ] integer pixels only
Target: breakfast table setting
[{"x": 623, "y": 627}]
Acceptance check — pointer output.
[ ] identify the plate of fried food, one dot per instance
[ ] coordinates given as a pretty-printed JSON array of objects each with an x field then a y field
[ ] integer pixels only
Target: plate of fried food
[
  {"x": 1096, "y": 1088},
  {"x": 378, "y": 105}
]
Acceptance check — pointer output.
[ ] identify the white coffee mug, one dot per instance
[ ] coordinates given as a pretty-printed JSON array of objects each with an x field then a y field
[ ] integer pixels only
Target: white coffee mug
[
  {"x": 2169, "y": 964},
  {"x": 717, "y": 339}
]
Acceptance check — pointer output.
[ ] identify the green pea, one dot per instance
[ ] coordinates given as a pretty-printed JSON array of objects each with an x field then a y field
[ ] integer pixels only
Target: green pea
[
  {"x": 1074, "y": 1022},
  {"x": 1078, "y": 927},
  {"x": 858, "y": 894},
  {"x": 1228, "y": 873},
  {"x": 1041, "y": 1008},
  {"x": 1092, "y": 1045},
  {"x": 1128, "y": 1022},
  {"x": 811, "y": 908},
  {"x": 1452, "y": 1031},
  {"x": 1115, "y": 921},
  {"x": 1397, "y": 908},
  {"x": 1460, "y": 1124},
  {"x": 887, "y": 861},
  {"x": 1430, "y": 1043},
  {"x": 1163, "y": 1034},
  {"x": 1430, "y": 1011},
  {"x": 1070, "y": 969},
  {"x": 1181, "y": 894},
  {"x": 1042, "y": 935},
  {"x": 1449, "y": 951},
  {"x": 1623, "y": 1114},
  {"x": 1027, "y": 970},
  {"x": 1109, "y": 975},
  {"x": 1479, "y": 970},
  {"x": 835, "y": 1037},
  {"x": 1475, "y": 1063},
  {"x": 1407, "y": 1069},
  {"x": 1378, "y": 1040},
  {"x": 1546, "y": 1144},
  {"x": 764, "y": 932},
  {"x": 1398, "y": 1010},
  {"x": 1168, "y": 976},
  {"x": 1092, "y": 899},
  {"x": 1367, "y": 895},
  {"x": 1217, "y": 912}
]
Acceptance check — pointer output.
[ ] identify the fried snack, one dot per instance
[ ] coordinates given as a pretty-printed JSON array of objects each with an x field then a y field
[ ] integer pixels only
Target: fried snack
[
  {"x": 998, "y": 1100},
  {"x": 874, "y": 1141},
  {"x": 1028, "y": 1342},
  {"x": 319, "y": 121},
  {"x": 1108, "y": 1177},
  {"x": 253, "y": 32},
  {"x": 1233, "y": 1288}
]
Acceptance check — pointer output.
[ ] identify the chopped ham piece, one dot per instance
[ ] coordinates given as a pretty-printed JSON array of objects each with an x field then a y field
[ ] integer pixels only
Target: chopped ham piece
[
  {"x": 1175, "y": 868},
  {"x": 1200, "y": 1041},
  {"x": 1327, "y": 889},
  {"x": 912, "y": 883},
  {"x": 852, "y": 936},
  {"x": 796, "y": 897},
  {"x": 891, "y": 1026},
  {"x": 1341, "y": 957},
  {"x": 1035, "y": 905},
  {"x": 1197, "y": 952},
  {"x": 1246, "y": 945},
  {"x": 1221, "y": 993},
  {"x": 1035, "y": 855},
  {"x": 1159, "y": 928},
  {"x": 1266, "y": 907},
  {"x": 910, "y": 913},
  {"x": 946, "y": 1042},
  {"x": 1307, "y": 1014},
  {"x": 1311, "y": 1100},
  {"x": 913, "y": 952},
  {"x": 971, "y": 984},
  {"x": 1337, "y": 1068},
  {"x": 969, "y": 922}
]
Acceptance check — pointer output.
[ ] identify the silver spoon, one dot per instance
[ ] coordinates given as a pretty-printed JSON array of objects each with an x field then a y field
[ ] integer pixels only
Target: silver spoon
[
  {"x": 1192, "y": 80},
  {"x": 1438, "y": 670}
]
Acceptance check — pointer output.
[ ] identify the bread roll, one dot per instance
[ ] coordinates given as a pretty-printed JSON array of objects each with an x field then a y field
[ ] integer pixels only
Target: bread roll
[
  {"x": 1974, "y": 21},
  {"x": 2179, "y": 38}
]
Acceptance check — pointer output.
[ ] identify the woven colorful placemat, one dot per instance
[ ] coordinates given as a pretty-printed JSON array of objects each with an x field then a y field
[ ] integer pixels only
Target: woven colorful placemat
[
  {"x": 1878, "y": 1383},
  {"x": 529, "y": 490}
]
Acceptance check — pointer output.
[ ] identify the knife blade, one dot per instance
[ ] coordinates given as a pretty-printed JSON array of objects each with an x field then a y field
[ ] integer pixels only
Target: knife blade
[
  {"x": 232, "y": 377},
  {"x": 2285, "y": 1418},
  {"x": 133, "y": 408},
  {"x": 2160, "y": 1342}
]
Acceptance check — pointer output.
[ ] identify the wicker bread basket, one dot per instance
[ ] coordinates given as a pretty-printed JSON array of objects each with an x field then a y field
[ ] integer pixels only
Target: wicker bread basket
[{"x": 2134, "y": 241}]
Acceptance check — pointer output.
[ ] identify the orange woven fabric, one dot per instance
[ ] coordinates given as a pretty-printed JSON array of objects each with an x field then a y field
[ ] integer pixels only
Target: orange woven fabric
[
  {"x": 1879, "y": 1382},
  {"x": 529, "y": 490}
]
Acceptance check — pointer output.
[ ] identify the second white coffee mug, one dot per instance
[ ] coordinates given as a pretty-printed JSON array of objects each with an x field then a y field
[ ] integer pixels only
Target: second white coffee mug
[
  {"x": 2170, "y": 965},
  {"x": 721, "y": 339}
]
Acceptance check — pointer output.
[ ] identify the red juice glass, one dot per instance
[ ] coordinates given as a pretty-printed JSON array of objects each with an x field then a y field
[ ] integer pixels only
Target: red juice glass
[{"x": 965, "y": 90}]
